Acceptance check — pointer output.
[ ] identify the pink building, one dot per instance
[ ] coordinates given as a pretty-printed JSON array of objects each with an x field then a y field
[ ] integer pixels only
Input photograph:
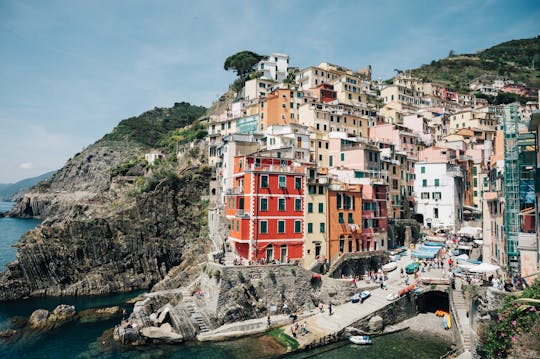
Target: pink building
[
  {"x": 402, "y": 137},
  {"x": 353, "y": 153}
]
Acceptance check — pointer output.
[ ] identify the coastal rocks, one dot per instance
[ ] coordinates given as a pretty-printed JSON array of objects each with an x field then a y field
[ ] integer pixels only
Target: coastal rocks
[
  {"x": 100, "y": 314},
  {"x": 163, "y": 333},
  {"x": 376, "y": 324},
  {"x": 6, "y": 333},
  {"x": 43, "y": 319},
  {"x": 38, "y": 319},
  {"x": 122, "y": 251},
  {"x": 62, "y": 313}
]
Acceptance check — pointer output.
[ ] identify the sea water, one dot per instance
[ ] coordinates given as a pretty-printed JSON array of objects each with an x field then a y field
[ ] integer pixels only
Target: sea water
[{"x": 87, "y": 340}]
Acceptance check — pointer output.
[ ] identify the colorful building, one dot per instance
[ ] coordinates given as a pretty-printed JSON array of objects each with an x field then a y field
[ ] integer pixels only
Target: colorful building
[{"x": 265, "y": 208}]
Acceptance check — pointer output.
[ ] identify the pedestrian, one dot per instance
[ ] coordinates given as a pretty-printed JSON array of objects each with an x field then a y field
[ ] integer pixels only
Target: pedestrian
[
  {"x": 268, "y": 319},
  {"x": 330, "y": 308},
  {"x": 321, "y": 307}
]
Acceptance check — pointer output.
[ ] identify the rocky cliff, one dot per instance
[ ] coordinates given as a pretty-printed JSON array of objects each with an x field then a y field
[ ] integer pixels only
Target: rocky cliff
[
  {"x": 113, "y": 222},
  {"x": 131, "y": 249}
]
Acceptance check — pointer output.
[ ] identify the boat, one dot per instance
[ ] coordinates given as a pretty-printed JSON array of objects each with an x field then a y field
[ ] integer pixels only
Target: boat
[
  {"x": 392, "y": 296},
  {"x": 360, "y": 339},
  {"x": 365, "y": 295},
  {"x": 355, "y": 298},
  {"x": 389, "y": 267}
]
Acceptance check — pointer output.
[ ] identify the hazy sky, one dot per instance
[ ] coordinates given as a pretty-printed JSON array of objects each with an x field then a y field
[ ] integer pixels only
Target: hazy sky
[{"x": 70, "y": 70}]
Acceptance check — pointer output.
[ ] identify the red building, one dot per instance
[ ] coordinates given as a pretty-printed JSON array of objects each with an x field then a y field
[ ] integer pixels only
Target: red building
[{"x": 265, "y": 208}]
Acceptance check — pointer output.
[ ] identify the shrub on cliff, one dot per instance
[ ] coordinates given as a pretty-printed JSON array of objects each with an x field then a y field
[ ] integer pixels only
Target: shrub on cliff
[{"x": 516, "y": 327}]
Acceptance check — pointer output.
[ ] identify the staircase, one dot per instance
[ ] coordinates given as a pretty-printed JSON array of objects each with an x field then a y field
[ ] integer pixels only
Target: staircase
[{"x": 461, "y": 310}]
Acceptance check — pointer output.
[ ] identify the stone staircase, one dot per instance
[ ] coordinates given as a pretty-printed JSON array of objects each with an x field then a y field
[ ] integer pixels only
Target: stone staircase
[{"x": 461, "y": 313}]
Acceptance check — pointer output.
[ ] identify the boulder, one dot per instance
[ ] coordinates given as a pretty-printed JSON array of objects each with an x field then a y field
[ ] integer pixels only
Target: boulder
[
  {"x": 38, "y": 319},
  {"x": 7, "y": 333},
  {"x": 99, "y": 314},
  {"x": 62, "y": 313},
  {"x": 376, "y": 324},
  {"x": 163, "y": 333}
]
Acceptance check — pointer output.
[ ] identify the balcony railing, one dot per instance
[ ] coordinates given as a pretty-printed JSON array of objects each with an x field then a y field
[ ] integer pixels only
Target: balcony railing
[
  {"x": 241, "y": 213},
  {"x": 276, "y": 168}
]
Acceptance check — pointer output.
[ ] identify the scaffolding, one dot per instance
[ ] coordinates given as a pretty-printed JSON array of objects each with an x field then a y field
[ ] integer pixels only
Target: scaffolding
[{"x": 511, "y": 120}]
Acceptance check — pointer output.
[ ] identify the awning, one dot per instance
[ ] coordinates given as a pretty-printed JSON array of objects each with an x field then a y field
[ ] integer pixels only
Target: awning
[{"x": 484, "y": 268}]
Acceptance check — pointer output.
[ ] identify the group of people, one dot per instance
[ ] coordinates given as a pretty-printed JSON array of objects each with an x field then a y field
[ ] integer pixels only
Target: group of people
[{"x": 299, "y": 329}]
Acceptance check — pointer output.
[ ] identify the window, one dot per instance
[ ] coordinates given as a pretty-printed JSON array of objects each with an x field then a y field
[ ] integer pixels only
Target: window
[
  {"x": 321, "y": 207},
  {"x": 350, "y": 218},
  {"x": 298, "y": 204},
  {"x": 394, "y": 184},
  {"x": 436, "y": 195},
  {"x": 282, "y": 182},
  {"x": 298, "y": 182},
  {"x": 321, "y": 227},
  {"x": 342, "y": 156},
  {"x": 281, "y": 226},
  {"x": 435, "y": 213},
  {"x": 340, "y": 217},
  {"x": 310, "y": 227},
  {"x": 297, "y": 226},
  {"x": 424, "y": 195},
  {"x": 263, "y": 227},
  {"x": 422, "y": 169},
  {"x": 339, "y": 201},
  {"x": 475, "y": 180},
  {"x": 331, "y": 160},
  {"x": 321, "y": 189},
  {"x": 281, "y": 204},
  {"x": 311, "y": 189},
  {"x": 341, "y": 243},
  {"x": 424, "y": 183},
  {"x": 264, "y": 204},
  {"x": 264, "y": 181},
  {"x": 310, "y": 207},
  {"x": 436, "y": 182}
]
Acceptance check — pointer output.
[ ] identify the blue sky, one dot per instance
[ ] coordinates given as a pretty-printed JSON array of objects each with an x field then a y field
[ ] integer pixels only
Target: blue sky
[{"x": 71, "y": 70}]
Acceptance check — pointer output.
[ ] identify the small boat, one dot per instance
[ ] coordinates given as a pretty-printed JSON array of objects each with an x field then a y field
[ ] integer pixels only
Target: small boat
[
  {"x": 392, "y": 296},
  {"x": 355, "y": 298},
  {"x": 365, "y": 295},
  {"x": 360, "y": 339},
  {"x": 389, "y": 267}
]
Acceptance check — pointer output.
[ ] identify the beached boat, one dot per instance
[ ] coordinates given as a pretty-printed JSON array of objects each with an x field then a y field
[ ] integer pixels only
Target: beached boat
[
  {"x": 389, "y": 267},
  {"x": 355, "y": 298},
  {"x": 392, "y": 296},
  {"x": 360, "y": 339},
  {"x": 365, "y": 295}
]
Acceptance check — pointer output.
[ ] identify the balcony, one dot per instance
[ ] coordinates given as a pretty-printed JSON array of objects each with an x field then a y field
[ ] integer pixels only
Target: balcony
[
  {"x": 276, "y": 168},
  {"x": 240, "y": 213}
]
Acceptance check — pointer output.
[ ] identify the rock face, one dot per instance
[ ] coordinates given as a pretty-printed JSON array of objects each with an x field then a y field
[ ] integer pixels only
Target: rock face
[
  {"x": 376, "y": 324},
  {"x": 100, "y": 314},
  {"x": 38, "y": 319},
  {"x": 113, "y": 249}
]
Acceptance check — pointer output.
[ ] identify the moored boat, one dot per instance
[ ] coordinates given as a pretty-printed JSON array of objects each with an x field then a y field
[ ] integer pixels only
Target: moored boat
[
  {"x": 360, "y": 339},
  {"x": 389, "y": 267}
]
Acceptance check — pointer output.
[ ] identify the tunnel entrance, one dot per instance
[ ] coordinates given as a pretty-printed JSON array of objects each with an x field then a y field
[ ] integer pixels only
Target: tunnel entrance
[{"x": 430, "y": 302}]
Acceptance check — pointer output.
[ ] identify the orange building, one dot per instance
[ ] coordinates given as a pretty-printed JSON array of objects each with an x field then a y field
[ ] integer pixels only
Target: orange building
[
  {"x": 344, "y": 218},
  {"x": 265, "y": 208},
  {"x": 280, "y": 107}
]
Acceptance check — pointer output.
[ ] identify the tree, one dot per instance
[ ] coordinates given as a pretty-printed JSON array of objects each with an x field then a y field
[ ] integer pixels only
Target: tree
[
  {"x": 242, "y": 62},
  {"x": 452, "y": 53}
]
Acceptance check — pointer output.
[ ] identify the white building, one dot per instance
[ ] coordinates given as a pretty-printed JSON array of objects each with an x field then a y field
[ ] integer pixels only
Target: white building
[
  {"x": 438, "y": 193},
  {"x": 274, "y": 67}
]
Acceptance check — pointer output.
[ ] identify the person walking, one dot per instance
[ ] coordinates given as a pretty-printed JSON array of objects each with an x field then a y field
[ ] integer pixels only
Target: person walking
[{"x": 330, "y": 308}]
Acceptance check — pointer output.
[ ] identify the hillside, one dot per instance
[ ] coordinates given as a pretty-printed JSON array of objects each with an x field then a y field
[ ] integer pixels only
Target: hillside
[
  {"x": 513, "y": 59},
  {"x": 8, "y": 191},
  {"x": 113, "y": 222}
]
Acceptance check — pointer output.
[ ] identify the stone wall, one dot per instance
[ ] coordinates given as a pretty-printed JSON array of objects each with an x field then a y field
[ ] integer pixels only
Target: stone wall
[{"x": 248, "y": 292}]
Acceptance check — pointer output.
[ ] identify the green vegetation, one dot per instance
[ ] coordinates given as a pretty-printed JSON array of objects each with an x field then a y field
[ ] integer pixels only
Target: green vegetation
[
  {"x": 283, "y": 339},
  {"x": 503, "y": 98},
  {"x": 513, "y": 59},
  {"x": 243, "y": 63},
  {"x": 133, "y": 166},
  {"x": 151, "y": 127},
  {"x": 181, "y": 136},
  {"x": 516, "y": 330}
]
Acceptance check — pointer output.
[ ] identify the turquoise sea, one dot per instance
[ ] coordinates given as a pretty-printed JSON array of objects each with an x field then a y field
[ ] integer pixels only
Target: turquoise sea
[{"x": 78, "y": 340}]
